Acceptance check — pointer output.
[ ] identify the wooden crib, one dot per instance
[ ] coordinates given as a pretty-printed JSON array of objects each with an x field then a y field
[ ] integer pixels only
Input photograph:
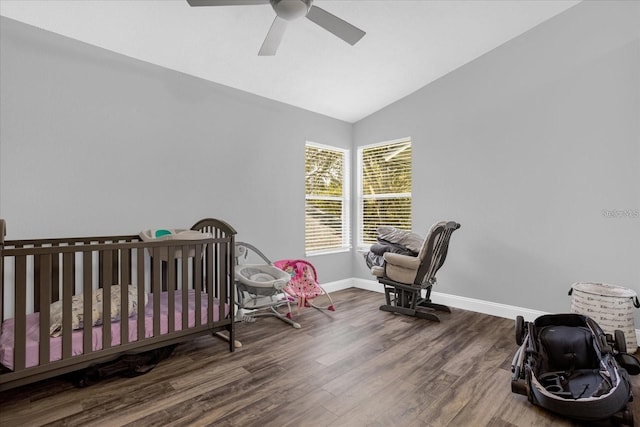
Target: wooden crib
[{"x": 144, "y": 285}]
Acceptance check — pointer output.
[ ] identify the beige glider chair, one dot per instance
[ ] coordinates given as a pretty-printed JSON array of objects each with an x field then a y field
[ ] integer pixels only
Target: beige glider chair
[{"x": 405, "y": 277}]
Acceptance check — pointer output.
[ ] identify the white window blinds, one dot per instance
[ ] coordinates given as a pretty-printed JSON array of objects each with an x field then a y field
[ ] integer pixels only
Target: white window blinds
[
  {"x": 385, "y": 188},
  {"x": 326, "y": 204}
]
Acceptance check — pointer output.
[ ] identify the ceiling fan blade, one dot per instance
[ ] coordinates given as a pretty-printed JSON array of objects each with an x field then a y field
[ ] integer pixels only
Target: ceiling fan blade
[
  {"x": 274, "y": 37},
  {"x": 335, "y": 25},
  {"x": 225, "y": 2}
]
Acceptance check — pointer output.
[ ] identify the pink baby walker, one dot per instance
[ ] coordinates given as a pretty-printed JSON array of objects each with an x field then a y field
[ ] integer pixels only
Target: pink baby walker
[{"x": 303, "y": 286}]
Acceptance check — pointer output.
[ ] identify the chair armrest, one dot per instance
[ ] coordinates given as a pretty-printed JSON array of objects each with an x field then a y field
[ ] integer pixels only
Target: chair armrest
[{"x": 404, "y": 261}]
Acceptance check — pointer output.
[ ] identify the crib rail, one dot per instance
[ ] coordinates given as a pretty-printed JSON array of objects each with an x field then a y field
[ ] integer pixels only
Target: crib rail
[{"x": 36, "y": 273}]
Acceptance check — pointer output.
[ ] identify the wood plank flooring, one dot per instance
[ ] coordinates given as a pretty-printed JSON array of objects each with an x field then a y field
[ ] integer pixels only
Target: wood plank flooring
[{"x": 357, "y": 366}]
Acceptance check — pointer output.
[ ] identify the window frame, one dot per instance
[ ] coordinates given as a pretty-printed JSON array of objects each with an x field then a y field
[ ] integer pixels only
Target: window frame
[
  {"x": 361, "y": 245},
  {"x": 345, "y": 245}
]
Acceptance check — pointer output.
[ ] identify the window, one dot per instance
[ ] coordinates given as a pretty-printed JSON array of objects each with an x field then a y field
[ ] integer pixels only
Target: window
[
  {"x": 384, "y": 186},
  {"x": 327, "y": 199}
]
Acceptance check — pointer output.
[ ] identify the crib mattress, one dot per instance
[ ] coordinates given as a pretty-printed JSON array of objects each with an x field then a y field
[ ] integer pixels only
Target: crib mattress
[{"x": 33, "y": 330}]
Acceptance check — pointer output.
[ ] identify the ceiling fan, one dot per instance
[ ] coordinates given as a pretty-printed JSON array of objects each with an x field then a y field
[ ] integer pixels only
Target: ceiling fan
[{"x": 288, "y": 10}]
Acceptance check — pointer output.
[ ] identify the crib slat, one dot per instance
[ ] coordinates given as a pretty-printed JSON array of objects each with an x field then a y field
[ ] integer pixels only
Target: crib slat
[
  {"x": 212, "y": 268},
  {"x": 171, "y": 285},
  {"x": 222, "y": 276},
  {"x": 140, "y": 265},
  {"x": 203, "y": 274},
  {"x": 19, "y": 354},
  {"x": 210, "y": 281},
  {"x": 229, "y": 286},
  {"x": 1, "y": 270},
  {"x": 125, "y": 267},
  {"x": 115, "y": 272},
  {"x": 44, "y": 279},
  {"x": 156, "y": 278},
  {"x": 197, "y": 277},
  {"x": 67, "y": 305},
  {"x": 185, "y": 289},
  {"x": 87, "y": 289},
  {"x": 124, "y": 306},
  {"x": 107, "y": 280},
  {"x": 55, "y": 275},
  {"x": 36, "y": 284},
  {"x": 68, "y": 289},
  {"x": 216, "y": 269}
]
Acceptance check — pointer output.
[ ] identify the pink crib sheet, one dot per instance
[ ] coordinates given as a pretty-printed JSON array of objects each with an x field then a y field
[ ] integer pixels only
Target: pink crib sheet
[{"x": 33, "y": 332}]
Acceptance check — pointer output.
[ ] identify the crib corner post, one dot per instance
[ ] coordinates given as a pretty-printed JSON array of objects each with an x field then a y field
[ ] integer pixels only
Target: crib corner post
[
  {"x": 3, "y": 231},
  {"x": 231, "y": 288}
]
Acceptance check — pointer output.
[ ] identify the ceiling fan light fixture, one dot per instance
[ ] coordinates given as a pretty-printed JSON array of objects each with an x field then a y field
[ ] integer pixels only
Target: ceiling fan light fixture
[{"x": 291, "y": 9}]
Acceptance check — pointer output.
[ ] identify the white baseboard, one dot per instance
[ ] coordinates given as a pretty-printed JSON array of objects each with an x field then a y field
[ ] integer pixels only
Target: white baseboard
[
  {"x": 471, "y": 304},
  {"x": 338, "y": 285},
  {"x": 487, "y": 307},
  {"x": 369, "y": 285},
  {"x": 464, "y": 303}
]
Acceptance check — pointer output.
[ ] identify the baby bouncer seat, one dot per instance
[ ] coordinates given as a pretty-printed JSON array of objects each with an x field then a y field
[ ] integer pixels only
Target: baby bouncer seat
[
  {"x": 406, "y": 277},
  {"x": 260, "y": 286},
  {"x": 303, "y": 286}
]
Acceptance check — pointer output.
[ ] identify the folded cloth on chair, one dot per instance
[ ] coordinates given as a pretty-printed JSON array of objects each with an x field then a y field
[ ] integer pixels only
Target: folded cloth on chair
[
  {"x": 391, "y": 239},
  {"x": 382, "y": 247},
  {"x": 402, "y": 238},
  {"x": 373, "y": 260}
]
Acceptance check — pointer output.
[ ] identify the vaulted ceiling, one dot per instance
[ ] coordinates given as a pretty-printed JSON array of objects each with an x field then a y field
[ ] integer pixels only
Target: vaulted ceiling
[{"x": 407, "y": 45}]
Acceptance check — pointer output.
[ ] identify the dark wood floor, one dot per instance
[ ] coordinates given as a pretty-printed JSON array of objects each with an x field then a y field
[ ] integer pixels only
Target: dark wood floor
[{"x": 357, "y": 366}]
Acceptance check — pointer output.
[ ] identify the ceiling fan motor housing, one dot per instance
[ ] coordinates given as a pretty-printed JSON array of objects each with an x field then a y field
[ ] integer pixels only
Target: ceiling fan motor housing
[{"x": 291, "y": 9}]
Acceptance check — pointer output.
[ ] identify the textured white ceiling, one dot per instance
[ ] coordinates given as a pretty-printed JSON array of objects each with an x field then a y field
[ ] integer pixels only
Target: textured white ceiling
[{"x": 408, "y": 43}]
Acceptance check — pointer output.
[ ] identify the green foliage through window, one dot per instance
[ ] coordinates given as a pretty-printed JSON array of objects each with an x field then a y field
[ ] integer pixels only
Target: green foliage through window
[
  {"x": 385, "y": 188},
  {"x": 326, "y": 207}
]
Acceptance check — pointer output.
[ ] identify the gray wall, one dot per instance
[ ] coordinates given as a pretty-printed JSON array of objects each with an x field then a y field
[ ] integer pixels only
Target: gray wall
[
  {"x": 525, "y": 147},
  {"x": 94, "y": 143}
]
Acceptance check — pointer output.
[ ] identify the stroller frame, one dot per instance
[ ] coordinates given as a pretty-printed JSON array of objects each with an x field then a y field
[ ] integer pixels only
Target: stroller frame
[
  {"x": 566, "y": 364},
  {"x": 256, "y": 298}
]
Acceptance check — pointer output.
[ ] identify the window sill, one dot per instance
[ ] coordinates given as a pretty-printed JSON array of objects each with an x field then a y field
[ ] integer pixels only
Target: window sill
[{"x": 328, "y": 252}]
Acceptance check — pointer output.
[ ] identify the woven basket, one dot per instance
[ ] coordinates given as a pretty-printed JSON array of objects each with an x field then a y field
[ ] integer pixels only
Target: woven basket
[{"x": 610, "y": 306}]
